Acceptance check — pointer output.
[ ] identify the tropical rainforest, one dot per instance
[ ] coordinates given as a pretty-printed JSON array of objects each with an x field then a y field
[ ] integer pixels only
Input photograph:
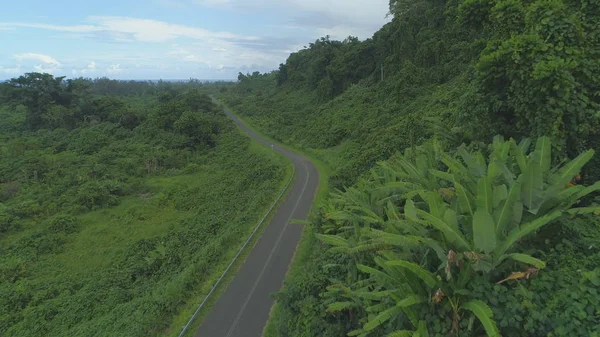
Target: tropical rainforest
[
  {"x": 120, "y": 203},
  {"x": 462, "y": 141}
]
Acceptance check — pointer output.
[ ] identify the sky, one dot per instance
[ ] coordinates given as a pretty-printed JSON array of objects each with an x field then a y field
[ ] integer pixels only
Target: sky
[{"x": 171, "y": 39}]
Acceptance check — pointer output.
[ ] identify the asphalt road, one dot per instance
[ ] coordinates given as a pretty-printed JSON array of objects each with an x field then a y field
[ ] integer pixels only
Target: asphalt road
[{"x": 243, "y": 309}]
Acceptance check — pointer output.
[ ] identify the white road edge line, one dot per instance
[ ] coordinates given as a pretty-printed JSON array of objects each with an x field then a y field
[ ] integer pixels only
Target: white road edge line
[
  {"x": 237, "y": 319},
  {"x": 185, "y": 328}
]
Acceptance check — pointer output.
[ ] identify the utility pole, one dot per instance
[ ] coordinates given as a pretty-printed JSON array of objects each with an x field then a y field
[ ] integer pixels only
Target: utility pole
[{"x": 381, "y": 72}]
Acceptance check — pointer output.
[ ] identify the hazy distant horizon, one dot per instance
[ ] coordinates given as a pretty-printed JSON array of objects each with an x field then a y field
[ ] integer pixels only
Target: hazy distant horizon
[
  {"x": 145, "y": 80},
  {"x": 173, "y": 38}
]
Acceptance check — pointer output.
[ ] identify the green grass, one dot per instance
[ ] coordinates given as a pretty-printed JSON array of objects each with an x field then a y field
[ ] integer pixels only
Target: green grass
[
  {"x": 302, "y": 256},
  {"x": 137, "y": 218},
  {"x": 141, "y": 265},
  {"x": 312, "y": 154},
  {"x": 195, "y": 299}
]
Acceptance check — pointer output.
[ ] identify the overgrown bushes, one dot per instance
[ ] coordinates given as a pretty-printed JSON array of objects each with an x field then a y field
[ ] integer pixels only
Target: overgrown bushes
[
  {"x": 459, "y": 72},
  {"x": 111, "y": 220}
]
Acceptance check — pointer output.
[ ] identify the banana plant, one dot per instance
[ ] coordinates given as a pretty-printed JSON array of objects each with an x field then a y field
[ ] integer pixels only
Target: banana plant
[
  {"x": 387, "y": 297},
  {"x": 462, "y": 217},
  {"x": 405, "y": 175},
  {"x": 494, "y": 208}
]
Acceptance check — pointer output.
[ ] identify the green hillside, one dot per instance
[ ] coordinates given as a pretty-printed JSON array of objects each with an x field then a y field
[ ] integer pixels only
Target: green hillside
[
  {"x": 469, "y": 70},
  {"x": 464, "y": 233},
  {"x": 120, "y": 204}
]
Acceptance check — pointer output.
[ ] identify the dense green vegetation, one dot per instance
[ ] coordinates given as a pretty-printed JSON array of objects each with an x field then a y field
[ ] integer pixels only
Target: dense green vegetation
[
  {"x": 464, "y": 233},
  {"x": 118, "y": 201}
]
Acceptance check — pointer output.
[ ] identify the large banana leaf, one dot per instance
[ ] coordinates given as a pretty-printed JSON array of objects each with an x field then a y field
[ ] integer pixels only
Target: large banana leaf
[
  {"x": 524, "y": 144},
  {"x": 391, "y": 211},
  {"x": 340, "y": 306},
  {"x": 517, "y": 214},
  {"x": 532, "y": 185},
  {"x": 384, "y": 277},
  {"x": 333, "y": 240},
  {"x": 391, "y": 312},
  {"x": 368, "y": 246},
  {"x": 502, "y": 147},
  {"x": 484, "y": 234},
  {"x": 422, "y": 329},
  {"x": 584, "y": 192},
  {"x": 517, "y": 152},
  {"x": 508, "y": 175},
  {"x": 342, "y": 216},
  {"x": 401, "y": 333},
  {"x": 507, "y": 209},
  {"x": 541, "y": 155},
  {"x": 415, "y": 285},
  {"x": 556, "y": 201},
  {"x": 584, "y": 210},
  {"x": 410, "y": 211},
  {"x": 419, "y": 271},
  {"x": 518, "y": 233},
  {"x": 436, "y": 204},
  {"x": 476, "y": 167},
  {"x": 482, "y": 166},
  {"x": 570, "y": 170},
  {"x": 485, "y": 198},
  {"x": 359, "y": 333},
  {"x": 500, "y": 194},
  {"x": 494, "y": 169},
  {"x": 398, "y": 186},
  {"x": 451, "y": 219},
  {"x": 568, "y": 197},
  {"x": 485, "y": 315},
  {"x": 455, "y": 166},
  {"x": 527, "y": 259},
  {"x": 410, "y": 169},
  {"x": 453, "y": 235},
  {"x": 464, "y": 199},
  {"x": 442, "y": 175}
]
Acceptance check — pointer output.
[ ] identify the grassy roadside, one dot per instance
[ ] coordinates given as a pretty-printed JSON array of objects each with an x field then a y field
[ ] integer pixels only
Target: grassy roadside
[
  {"x": 308, "y": 239},
  {"x": 303, "y": 252},
  {"x": 188, "y": 309},
  {"x": 322, "y": 167}
]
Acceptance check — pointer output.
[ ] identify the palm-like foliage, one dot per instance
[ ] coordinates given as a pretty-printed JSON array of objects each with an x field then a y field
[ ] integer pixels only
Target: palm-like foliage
[{"x": 432, "y": 223}]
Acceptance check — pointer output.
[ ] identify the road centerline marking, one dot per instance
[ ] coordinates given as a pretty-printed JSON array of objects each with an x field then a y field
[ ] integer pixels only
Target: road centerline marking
[{"x": 239, "y": 315}]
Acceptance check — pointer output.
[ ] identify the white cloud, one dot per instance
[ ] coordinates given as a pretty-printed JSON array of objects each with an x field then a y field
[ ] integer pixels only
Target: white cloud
[
  {"x": 114, "y": 69},
  {"x": 48, "y": 64},
  {"x": 38, "y": 57},
  {"x": 294, "y": 23},
  {"x": 360, "y": 17},
  {"x": 90, "y": 68},
  {"x": 40, "y": 68},
  {"x": 146, "y": 30}
]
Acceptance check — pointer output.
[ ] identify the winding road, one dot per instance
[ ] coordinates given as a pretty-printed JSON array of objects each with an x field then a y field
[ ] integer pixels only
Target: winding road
[{"x": 243, "y": 309}]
